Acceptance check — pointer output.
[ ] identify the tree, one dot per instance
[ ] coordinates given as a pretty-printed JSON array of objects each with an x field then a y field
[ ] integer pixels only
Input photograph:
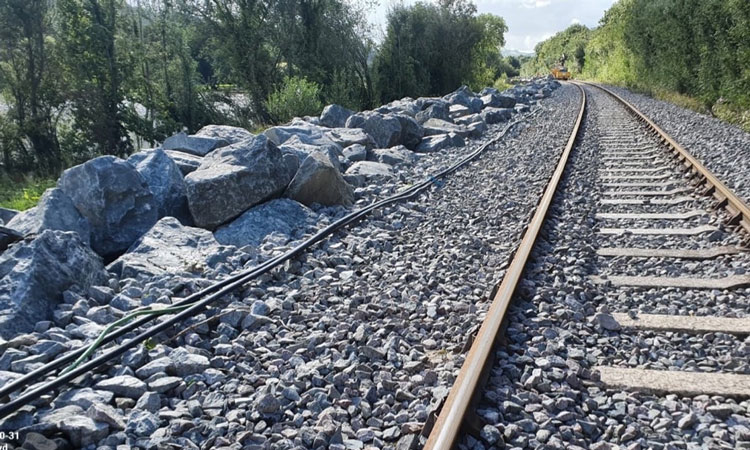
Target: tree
[
  {"x": 429, "y": 49},
  {"x": 487, "y": 60},
  {"x": 96, "y": 68},
  {"x": 29, "y": 85}
]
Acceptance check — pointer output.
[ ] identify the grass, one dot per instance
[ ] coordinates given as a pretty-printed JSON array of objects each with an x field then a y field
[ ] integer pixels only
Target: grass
[{"x": 24, "y": 193}]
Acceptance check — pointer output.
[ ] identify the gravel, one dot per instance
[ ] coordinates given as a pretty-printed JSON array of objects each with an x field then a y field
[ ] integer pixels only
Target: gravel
[
  {"x": 542, "y": 391},
  {"x": 721, "y": 147}
]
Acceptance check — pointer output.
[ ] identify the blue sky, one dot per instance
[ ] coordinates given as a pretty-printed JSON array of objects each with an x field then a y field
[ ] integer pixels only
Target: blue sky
[{"x": 530, "y": 21}]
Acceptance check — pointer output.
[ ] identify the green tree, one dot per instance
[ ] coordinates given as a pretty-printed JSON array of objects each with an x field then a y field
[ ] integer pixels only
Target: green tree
[
  {"x": 487, "y": 61},
  {"x": 429, "y": 49},
  {"x": 30, "y": 86},
  {"x": 96, "y": 67}
]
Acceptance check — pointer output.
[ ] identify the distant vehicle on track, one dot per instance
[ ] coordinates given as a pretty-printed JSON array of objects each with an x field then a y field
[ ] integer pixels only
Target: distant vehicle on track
[{"x": 560, "y": 73}]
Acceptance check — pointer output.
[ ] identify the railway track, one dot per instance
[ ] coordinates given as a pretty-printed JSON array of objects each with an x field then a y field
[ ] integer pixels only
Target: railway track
[{"x": 625, "y": 325}]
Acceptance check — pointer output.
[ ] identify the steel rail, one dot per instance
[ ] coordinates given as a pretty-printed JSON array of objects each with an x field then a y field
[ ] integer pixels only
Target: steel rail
[
  {"x": 202, "y": 299},
  {"x": 738, "y": 209},
  {"x": 451, "y": 417}
]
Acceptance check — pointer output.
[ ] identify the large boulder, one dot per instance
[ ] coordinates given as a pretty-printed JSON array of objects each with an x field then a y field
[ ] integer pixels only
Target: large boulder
[
  {"x": 355, "y": 152},
  {"x": 232, "y": 135},
  {"x": 385, "y": 130},
  {"x": 437, "y": 110},
  {"x": 439, "y": 142},
  {"x": 168, "y": 247},
  {"x": 334, "y": 116},
  {"x": 195, "y": 145},
  {"x": 114, "y": 198},
  {"x": 464, "y": 96},
  {"x": 405, "y": 106},
  {"x": 319, "y": 181},
  {"x": 55, "y": 211},
  {"x": 437, "y": 126},
  {"x": 456, "y": 111},
  {"x": 34, "y": 274},
  {"x": 350, "y": 136},
  {"x": 395, "y": 156},
  {"x": 498, "y": 101},
  {"x": 301, "y": 150},
  {"x": 411, "y": 131},
  {"x": 305, "y": 132},
  {"x": 280, "y": 215},
  {"x": 233, "y": 179},
  {"x": 496, "y": 115},
  {"x": 166, "y": 182},
  {"x": 185, "y": 161},
  {"x": 364, "y": 172}
]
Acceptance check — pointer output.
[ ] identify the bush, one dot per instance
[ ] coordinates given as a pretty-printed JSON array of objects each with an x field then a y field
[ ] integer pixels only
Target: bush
[{"x": 297, "y": 97}]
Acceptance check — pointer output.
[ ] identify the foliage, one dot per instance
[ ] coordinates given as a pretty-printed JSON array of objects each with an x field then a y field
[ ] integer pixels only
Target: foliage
[
  {"x": 487, "y": 61},
  {"x": 24, "y": 193},
  {"x": 30, "y": 85},
  {"x": 295, "y": 98},
  {"x": 81, "y": 78},
  {"x": 693, "y": 52},
  {"x": 433, "y": 48},
  {"x": 567, "y": 46}
]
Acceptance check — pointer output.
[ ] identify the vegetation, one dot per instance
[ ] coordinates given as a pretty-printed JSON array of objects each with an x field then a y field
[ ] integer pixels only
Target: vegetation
[
  {"x": 432, "y": 48},
  {"x": 24, "y": 193},
  {"x": 81, "y": 78},
  {"x": 296, "y": 97},
  {"x": 694, "y": 52}
]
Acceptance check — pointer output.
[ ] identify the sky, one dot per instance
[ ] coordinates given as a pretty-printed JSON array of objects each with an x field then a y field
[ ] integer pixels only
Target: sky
[{"x": 529, "y": 21}]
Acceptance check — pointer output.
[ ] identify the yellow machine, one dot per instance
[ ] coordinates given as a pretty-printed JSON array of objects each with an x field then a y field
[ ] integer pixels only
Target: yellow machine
[{"x": 560, "y": 73}]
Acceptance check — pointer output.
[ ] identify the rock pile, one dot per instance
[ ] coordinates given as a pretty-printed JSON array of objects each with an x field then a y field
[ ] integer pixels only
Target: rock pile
[{"x": 115, "y": 235}]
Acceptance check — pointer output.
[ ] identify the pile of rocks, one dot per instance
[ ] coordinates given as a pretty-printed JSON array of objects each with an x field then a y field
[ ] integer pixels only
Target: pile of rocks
[
  {"x": 115, "y": 235},
  {"x": 220, "y": 179}
]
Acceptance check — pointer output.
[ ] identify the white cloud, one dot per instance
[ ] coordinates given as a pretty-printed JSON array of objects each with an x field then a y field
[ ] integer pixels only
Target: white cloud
[
  {"x": 575, "y": 21},
  {"x": 536, "y": 3}
]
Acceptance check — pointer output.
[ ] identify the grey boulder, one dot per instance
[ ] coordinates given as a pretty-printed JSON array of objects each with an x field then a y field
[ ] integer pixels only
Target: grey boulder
[
  {"x": 281, "y": 215},
  {"x": 232, "y": 135},
  {"x": 195, "y": 145},
  {"x": 167, "y": 248},
  {"x": 114, "y": 198},
  {"x": 165, "y": 180},
  {"x": 395, "y": 156},
  {"x": 305, "y": 132},
  {"x": 464, "y": 96},
  {"x": 34, "y": 274},
  {"x": 496, "y": 115},
  {"x": 55, "y": 211},
  {"x": 233, "y": 179},
  {"x": 350, "y": 136},
  {"x": 411, "y": 131},
  {"x": 185, "y": 161},
  {"x": 363, "y": 172},
  {"x": 437, "y": 110},
  {"x": 319, "y": 181},
  {"x": 334, "y": 116},
  {"x": 355, "y": 152},
  {"x": 385, "y": 130},
  {"x": 437, "y": 126},
  {"x": 498, "y": 101},
  {"x": 439, "y": 142}
]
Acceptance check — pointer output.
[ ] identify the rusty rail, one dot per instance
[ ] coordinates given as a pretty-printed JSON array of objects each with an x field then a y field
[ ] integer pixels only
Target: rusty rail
[
  {"x": 450, "y": 419},
  {"x": 738, "y": 209}
]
